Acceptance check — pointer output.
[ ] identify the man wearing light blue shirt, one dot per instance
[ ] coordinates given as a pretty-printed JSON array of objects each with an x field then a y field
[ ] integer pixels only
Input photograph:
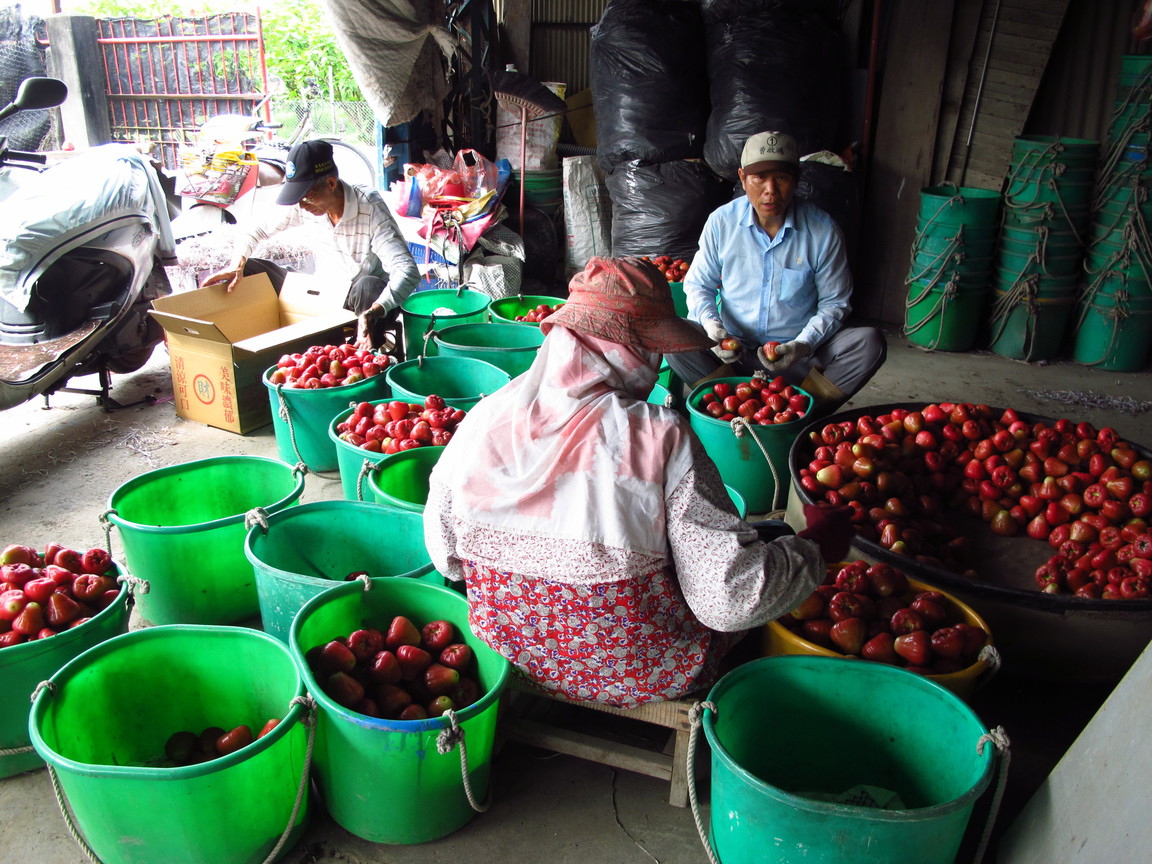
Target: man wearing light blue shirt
[{"x": 773, "y": 269}]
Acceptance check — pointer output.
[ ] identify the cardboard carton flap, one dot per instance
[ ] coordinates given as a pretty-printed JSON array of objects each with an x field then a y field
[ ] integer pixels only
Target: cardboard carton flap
[
  {"x": 180, "y": 325},
  {"x": 309, "y": 294},
  {"x": 249, "y": 309},
  {"x": 312, "y": 324}
]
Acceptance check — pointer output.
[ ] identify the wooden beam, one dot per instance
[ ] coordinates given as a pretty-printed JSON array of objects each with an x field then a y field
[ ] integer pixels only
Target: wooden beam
[{"x": 909, "y": 109}]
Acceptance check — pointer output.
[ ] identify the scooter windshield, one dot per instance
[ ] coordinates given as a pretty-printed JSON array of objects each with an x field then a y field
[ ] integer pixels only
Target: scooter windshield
[{"x": 71, "y": 199}]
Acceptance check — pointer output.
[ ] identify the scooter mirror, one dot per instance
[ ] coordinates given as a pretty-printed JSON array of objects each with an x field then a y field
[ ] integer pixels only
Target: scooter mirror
[{"x": 36, "y": 93}]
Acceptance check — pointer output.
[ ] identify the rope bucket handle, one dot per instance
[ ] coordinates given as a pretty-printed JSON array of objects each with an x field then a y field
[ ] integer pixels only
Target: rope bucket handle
[
  {"x": 308, "y": 718},
  {"x": 1116, "y": 316},
  {"x": 429, "y": 334},
  {"x": 953, "y": 255},
  {"x": 999, "y": 739},
  {"x": 947, "y": 295},
  {"x": 741, "y": 427},
  {"x": 695, "y": 720},
  {"x": 365, "y": 469},
  {"x": 285, "y": 414},
  {"x": 446, "y": 741}
]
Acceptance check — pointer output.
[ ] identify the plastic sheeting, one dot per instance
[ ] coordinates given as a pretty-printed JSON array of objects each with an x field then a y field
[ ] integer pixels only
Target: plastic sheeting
[
  {"x": 777, "y": 67},
  {"x": 661, "y": 209},
  {"x": 649, "y": 82},
  {"x": 398, "y": 53},
  {"x": 44, "y": 210}
]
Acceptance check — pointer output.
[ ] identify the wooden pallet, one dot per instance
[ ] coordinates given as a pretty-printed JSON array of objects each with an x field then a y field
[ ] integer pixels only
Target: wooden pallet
[{"x": 526, "y": 721}]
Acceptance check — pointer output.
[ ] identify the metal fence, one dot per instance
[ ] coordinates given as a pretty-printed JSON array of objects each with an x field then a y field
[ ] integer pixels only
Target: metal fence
[
  {"x": 166, "y": 76},
  {"x": 352, "y": 122}
]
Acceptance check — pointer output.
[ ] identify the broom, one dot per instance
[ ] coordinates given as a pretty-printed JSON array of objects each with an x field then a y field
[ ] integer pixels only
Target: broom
[{"x": 534, "y": 101}]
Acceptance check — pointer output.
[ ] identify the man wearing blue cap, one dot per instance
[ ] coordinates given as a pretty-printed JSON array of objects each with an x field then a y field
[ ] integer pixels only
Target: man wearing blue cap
[
  {"x": 771, "y": 268},
  {"x": 357, "y": 240}
]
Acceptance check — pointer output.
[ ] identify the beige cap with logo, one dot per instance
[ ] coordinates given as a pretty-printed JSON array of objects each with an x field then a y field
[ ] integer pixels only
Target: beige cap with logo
[{"x": 766, "y": 149}]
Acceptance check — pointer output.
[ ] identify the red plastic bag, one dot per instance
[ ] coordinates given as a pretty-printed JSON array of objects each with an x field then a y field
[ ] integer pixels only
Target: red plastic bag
[{"x": 476, "y": 172}]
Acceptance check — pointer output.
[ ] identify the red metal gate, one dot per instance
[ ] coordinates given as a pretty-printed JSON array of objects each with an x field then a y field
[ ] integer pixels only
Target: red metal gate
[{"x": 166, "y": 76}]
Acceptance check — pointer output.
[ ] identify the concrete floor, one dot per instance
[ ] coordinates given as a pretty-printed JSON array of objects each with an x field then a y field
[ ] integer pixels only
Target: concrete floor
[{"x": 60, "y": 465}]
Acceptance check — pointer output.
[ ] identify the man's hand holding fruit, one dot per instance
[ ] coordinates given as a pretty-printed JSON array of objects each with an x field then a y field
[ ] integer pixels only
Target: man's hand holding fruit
[
  {"x": 778, "y": 356},
  {"x": 728, "y": 347}
]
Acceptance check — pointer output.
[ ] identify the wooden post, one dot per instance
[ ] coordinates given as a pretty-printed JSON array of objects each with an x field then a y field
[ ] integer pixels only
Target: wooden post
[
  {"x": 74, "y": 57},
  {"x": 908, "y": 111}
]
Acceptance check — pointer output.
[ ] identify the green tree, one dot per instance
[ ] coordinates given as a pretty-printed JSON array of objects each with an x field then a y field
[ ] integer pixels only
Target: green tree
[{"x": 298, "y": 39}]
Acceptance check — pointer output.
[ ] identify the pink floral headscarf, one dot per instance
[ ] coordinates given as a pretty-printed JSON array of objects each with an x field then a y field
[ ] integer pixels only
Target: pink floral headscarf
[{"x": 570, "y": 450}]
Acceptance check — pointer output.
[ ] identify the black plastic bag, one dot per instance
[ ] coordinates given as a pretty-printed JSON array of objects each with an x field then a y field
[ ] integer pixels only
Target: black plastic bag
[
  {"x": 777, "y": 68},
  {"x": 661, "y": 209},
  {"x": 835, "y": 191},
  {"x": 649, "y": 82}
]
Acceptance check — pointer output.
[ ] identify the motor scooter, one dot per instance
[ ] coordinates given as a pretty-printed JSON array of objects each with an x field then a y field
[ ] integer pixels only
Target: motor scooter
[
  {"x": 225, "y": 162},
  {"x": 83, "y": 245}
]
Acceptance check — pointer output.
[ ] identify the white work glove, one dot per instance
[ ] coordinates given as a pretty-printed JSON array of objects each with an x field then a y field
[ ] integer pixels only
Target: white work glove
[
  {"x": 716, "y": 332},
  {"x": 787, "y": 355}
]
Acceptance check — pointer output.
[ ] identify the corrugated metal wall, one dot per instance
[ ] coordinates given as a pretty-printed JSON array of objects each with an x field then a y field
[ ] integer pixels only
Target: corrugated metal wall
[
  {"x": 560, "y": 40},
  {"x": 1076, "y": 95}
]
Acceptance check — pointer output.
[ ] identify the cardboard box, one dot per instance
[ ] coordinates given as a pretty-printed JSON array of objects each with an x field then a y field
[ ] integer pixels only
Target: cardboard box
[{"x": 221, "y": 344}]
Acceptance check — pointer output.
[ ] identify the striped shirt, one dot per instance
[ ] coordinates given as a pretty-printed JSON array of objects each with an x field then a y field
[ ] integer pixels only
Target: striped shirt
[{"x": 365, "y": 242}]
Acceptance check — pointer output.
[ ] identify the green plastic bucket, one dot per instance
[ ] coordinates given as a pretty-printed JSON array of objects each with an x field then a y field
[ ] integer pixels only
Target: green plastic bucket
[
  {"x": 507, "y": 346},
  {"x": 506, "y": 309},
  {"x": 308, "y": 549},
  {"x": 386, "y": 781},
  {"x": 963, "y": 266},
  {"x": 679, "y": 298},
  {"x": 401, "y": 480},
  {"x": 943, "y": 317},
  {"x": 738, "y": 502},
  {"x": 460, "y": 381},
  {"x": 1133, "y": 68},
  {"x": 1031, "y": 329},
  {"x": 103, "y": 725},
  {"x": 943, "y": 239},
  {"x": 1040, "y": 283},
  {"x": 426, "y": 311},
  {"x": 183, "y": 531},
  {"x": 1026, "y": 243},
  {"x": 659, "y": 395},
  {"x": 760, "y": 476},
  {"x": 1048, "y": 215},
  {"x": 1113, "y": 332},
  {"x": 1042, "y": 153},
  {"x": 300, "y": 417},
  {"x": 24, "y": 666},
  {"x": 1114, "y": 261},
  {"x": 1071, "y": 195},
  {"x": 353, "y": 462},
  {"x": 543, "y": 189},
  {"x": 787, "y": 733},
  {"x": 958, "y": 205}
]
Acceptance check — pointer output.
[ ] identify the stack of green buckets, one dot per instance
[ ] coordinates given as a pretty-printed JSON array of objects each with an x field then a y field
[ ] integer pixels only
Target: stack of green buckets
[
  {"x": 1111, "y": 324},
  {"x": 951, "y": 266},
  {"x": 1047, "y": 200}
]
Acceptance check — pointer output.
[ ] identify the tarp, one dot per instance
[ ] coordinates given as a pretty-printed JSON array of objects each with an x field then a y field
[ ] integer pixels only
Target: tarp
[
  {"x": 69, "y": 199},
  {"x": 398, "y": 52}
]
